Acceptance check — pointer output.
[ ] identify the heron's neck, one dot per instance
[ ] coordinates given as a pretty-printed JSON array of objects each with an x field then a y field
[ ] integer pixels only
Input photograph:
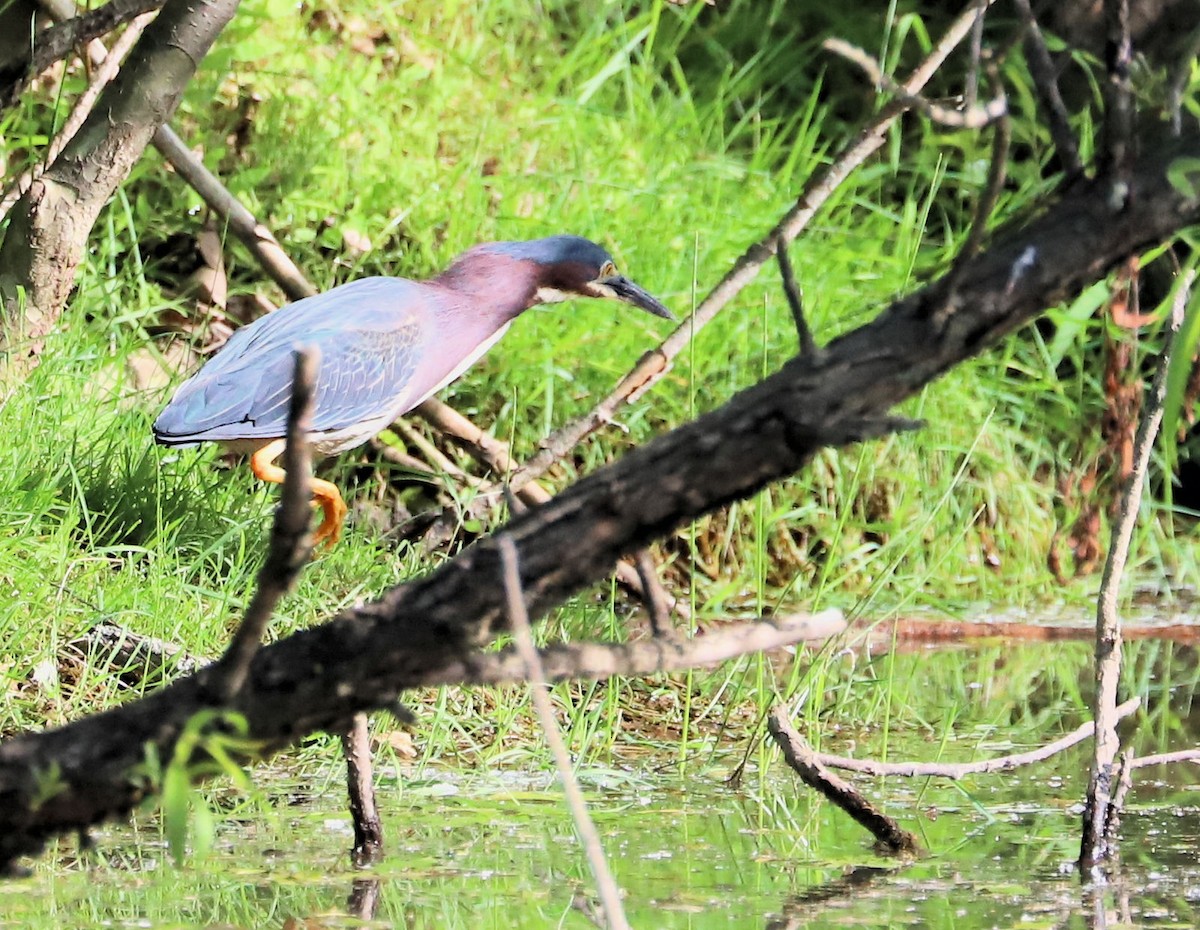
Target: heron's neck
[{"x": 493, "y": 285}]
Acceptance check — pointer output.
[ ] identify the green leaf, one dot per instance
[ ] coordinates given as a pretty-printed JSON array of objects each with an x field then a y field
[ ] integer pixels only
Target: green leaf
[
  {"x": 176, "y": 797},
  {"x": 1069, "y": 323},
  {"x": 204, "y": 826},
  {"x": 1184, "y": 175}
]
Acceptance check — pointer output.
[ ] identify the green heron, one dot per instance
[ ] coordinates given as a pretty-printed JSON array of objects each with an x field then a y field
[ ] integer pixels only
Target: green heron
[{"x": 386, "y": 345}]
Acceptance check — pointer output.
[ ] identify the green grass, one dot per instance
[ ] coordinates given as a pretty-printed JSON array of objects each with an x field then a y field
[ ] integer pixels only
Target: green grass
[{"x": 675, "y": 137}]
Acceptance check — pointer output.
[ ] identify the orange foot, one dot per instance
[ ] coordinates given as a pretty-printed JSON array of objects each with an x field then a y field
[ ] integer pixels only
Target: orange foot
[{"x": 325, "y": 494}]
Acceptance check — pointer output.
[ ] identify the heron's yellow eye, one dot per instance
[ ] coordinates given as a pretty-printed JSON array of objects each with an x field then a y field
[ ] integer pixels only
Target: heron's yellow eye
[{"x": 608, "y": 270}]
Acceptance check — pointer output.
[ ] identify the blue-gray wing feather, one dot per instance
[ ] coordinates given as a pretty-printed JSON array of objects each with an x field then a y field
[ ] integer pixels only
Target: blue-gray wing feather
[{"x": 370, "y": 334}]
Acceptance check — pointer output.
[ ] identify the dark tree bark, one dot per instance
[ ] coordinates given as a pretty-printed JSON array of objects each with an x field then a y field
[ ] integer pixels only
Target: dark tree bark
[
  {"x": 50, "y": 225},
  {"x": 49, "y": 45},
  {"x": 68, "y": 778},
  {"x": 18, "y": 23}
]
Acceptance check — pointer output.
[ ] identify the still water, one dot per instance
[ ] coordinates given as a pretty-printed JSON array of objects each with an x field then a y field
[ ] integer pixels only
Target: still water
[
  {"x": 488, "y": 848},
  {"x": 499, "y": 852}
]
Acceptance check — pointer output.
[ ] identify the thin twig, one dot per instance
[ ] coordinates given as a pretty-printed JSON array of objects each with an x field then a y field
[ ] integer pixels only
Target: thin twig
[
  {"x": 654, "y": 365},
  {"x": 419, "y": 467},
  {"x": 957, "y": 770},
  {"x": 1041, "y": 68},
  {"x": 1112, "y": 819},
  {"x": 83, "y": 106},
  {"x": 1108, "y": 620},
  {"x": 1166, "y": 758},
  {"x": 584, "y": 661},
  {"x": 975, "y": 57},
  {"x": 889, "y": 836},
  {"x": 481, "y": 445},
  {"x": 975, "y": 117},
  {"x": 1117, "y": 158},
  {"x": 433, "y": 455},
  {"x": 1179, "y": 81},
  {"x": 808, "y": 347},
  {"x": 240, "y": 221},
  {"x": 49, "y": 45},
  {"x": 653, "y": 594},
  {"x": 516, "y": 506},
  {"x": 997, "y": 172},
  {"x": 291, "y": 543},
  {"x": 606, "y": 885}
]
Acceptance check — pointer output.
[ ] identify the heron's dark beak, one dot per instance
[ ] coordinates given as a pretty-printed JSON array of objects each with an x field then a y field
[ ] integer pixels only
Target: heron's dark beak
[{"x": 621, "y": 288}]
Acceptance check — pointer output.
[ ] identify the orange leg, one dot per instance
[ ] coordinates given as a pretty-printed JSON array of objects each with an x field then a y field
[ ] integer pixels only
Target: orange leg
[{"x": 325, "y": 494}]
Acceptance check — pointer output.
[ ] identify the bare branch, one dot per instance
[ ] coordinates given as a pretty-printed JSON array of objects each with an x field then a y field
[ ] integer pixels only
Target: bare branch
[
  {"x": 291, "y": 542},
  {"x": 653, "y": 594},
  {"x": 957, "y": 770},
  {"x": 482, "y": 446},
  {"x": 57, "y": 42},
  {"x": 975, "y": 117},
  {"x": 997, "y": 172},
  {"x": 655, "y": 364},
  {"x": 83, "y": 108},
  {"x": 889, "y": 835},
  {"x": 975, "y": 56},
  {"x": 606, "y": 885},
  {"x": 1037, "y": 56},
  {"x": 1093, "y": 849},
  {"x": 582, "y": 661},
  {"x": 240, "y": 221},
  {"x": 360, "y": 788},
  {"x": 1166, "y": 758},
  {"x": 1112, "y": 820},
  {"x": 795, "y": 301},
  {"x": 1178, "y": 82},
  {"x": 1117, "y": 157}
]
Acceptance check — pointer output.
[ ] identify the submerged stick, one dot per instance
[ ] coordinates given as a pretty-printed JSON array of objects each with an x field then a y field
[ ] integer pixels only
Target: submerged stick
[
  {"x": 890, "y": 837},
  {"x": 360, "y": 787},
  {"x": 518, "y": 618}
]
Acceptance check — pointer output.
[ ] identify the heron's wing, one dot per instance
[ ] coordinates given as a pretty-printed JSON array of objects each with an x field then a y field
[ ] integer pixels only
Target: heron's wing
[{"x": 370, "y": 334}]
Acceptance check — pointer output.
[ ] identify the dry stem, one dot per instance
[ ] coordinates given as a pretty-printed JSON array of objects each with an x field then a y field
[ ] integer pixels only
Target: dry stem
[
  {"x": 958, "y": 770},
  {"x": 1093, "y": 849},
  {"x": 606, "y": 885},
  {"x": 975, "y": 117},
  {"x": 560, "y": 662},
  {"x": 1041, "y": 68}
]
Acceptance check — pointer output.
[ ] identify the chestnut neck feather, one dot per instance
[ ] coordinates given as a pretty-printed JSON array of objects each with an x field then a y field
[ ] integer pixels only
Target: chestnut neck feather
[{"x": 494, "y": 285}]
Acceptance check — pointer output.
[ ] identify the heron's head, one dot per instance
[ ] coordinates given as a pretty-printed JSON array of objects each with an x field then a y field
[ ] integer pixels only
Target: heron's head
[{"x": 566, "y": 267}]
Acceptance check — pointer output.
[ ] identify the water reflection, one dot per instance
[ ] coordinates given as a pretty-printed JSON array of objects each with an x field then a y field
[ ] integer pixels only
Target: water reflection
[{"x": 495, "y": 849}]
